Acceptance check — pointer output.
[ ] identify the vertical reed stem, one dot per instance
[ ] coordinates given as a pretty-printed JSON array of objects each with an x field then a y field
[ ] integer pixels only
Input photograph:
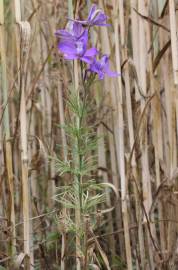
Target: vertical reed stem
[{"x": 6, "y": 126}]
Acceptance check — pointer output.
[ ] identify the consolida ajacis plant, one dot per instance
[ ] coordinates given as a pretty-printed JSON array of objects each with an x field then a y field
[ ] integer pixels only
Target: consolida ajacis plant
[{"x": 82, "y": 195}]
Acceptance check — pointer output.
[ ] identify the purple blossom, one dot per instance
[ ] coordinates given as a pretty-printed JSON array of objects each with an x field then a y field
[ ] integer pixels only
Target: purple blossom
[
  {"x": 96, "y": 17},
  {"x": 77, "y": 49},
  {"x": 101, "y": 67},
  {"x": 72, "y": 32}
]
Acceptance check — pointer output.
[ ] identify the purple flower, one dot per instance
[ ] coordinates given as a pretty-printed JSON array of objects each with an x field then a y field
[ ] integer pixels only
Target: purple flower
[
  {"x": 77, "y": 49},
  {"x": 95, "y": 17},
  {"x": 101, "y": 67},
  {"x": 73, "y": 31}
]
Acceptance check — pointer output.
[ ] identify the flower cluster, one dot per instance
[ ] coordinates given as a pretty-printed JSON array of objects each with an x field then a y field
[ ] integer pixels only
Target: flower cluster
[{"x": 73, "y": 43}]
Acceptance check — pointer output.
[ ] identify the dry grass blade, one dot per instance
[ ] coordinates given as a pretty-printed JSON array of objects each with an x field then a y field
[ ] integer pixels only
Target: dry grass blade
[
  {"x": 160, "y": 55},
  {"x": 150, "y": 20},
  {"x": 102, "y": 253},
  {"x": 111, "y": 186}
]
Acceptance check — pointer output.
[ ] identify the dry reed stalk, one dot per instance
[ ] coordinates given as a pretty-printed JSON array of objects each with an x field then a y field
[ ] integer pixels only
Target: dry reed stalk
[
  {"x": 47, "y": 92},
  {"x": 22, "y": 44},
  {"x": 44, "y": 121},
  {"x": 169, "y": 141},
  {"x": 158, "y": 153},
  {"x": 114, "y": 173},
  {"x": 154, "y": 13},
  {"x": 134, "y": 33},
  {"x": 43, "y": 107},
  {"x": 6, "y": 127},
  {"x": 168, "y": 108},
  {"x": 176, "y": 118},
  {"x": 146, "y": 184},
  {"x": 172, "y": 228},
  {"x": 32, "y": 177},
  {"x": 33, "y": 141},
  {"x": 105, "y": 45},
  {"x": 142, "y": 78},
  {"x": 104, "y": 175},
  {"x": 1, "y": 156},
  {"x": 112, "y": 124},
  {"x": 174, "y": 44},
  {"x": 133, "y": 160},
  {"x": 35, "y": 109},
  {"x": 119, "y": 136},
  {"x": 25, "y": 39},
  {"x": 17, "y": 15},
  {"x": 156, "y": 134},
  {"x": 1, "y": 163},
  {"x": 130, "y": 116},
  {"x": 17, "y": 6}
]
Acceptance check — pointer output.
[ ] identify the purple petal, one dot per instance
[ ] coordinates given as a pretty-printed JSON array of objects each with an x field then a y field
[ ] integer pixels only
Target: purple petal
[
  {"x": 102, "y": 24},
  {"x": 91, "y": 12},
  {"x": 70, "y": 56},
  {"x": 101, "y": 67},
  {"x": 73, "y": 31},
  {"x": 84, "y": 37},
  {"x": 62, "y": 33},
  {"x": 80, "y": 47},
  {"x": 70, "y": 27},
  {"x": 100, "y": 19},
  {"x": 65, "y": 36},
  {"x": 79, "y": 21},
  {"x": 57, "y": 33},
  {"x": 112, "y": 73},
  {"x": 86, "y": 59},
  {"x": 78, "y": 30},
  {"x": 96, "y": 66},
  {"x": 91, "y": 52},
  {"x": 104, "y": 61},
  {"x": 67, "y": 47},
  {"x": 95, "y": 17},
  {"x": 101, "y": 75},
  {"x": 107, "y": 69},
  {"x": 109, "y": 72}
]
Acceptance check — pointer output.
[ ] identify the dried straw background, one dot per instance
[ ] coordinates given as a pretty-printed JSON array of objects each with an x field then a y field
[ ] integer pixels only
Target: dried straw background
[{"x": 138, "y": 116}]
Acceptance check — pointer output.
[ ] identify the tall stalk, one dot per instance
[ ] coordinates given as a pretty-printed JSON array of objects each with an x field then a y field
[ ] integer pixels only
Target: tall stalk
[
  {"x": 6, "y": 129},
  {"x": 119, "y": 133},
  {"x": 25, "y": 39}
]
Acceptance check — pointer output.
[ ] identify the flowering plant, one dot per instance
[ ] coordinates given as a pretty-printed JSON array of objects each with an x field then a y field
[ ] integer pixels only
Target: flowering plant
[
  {"x": 83, "y": 195},
  {"x": 73, "y": 43}
]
